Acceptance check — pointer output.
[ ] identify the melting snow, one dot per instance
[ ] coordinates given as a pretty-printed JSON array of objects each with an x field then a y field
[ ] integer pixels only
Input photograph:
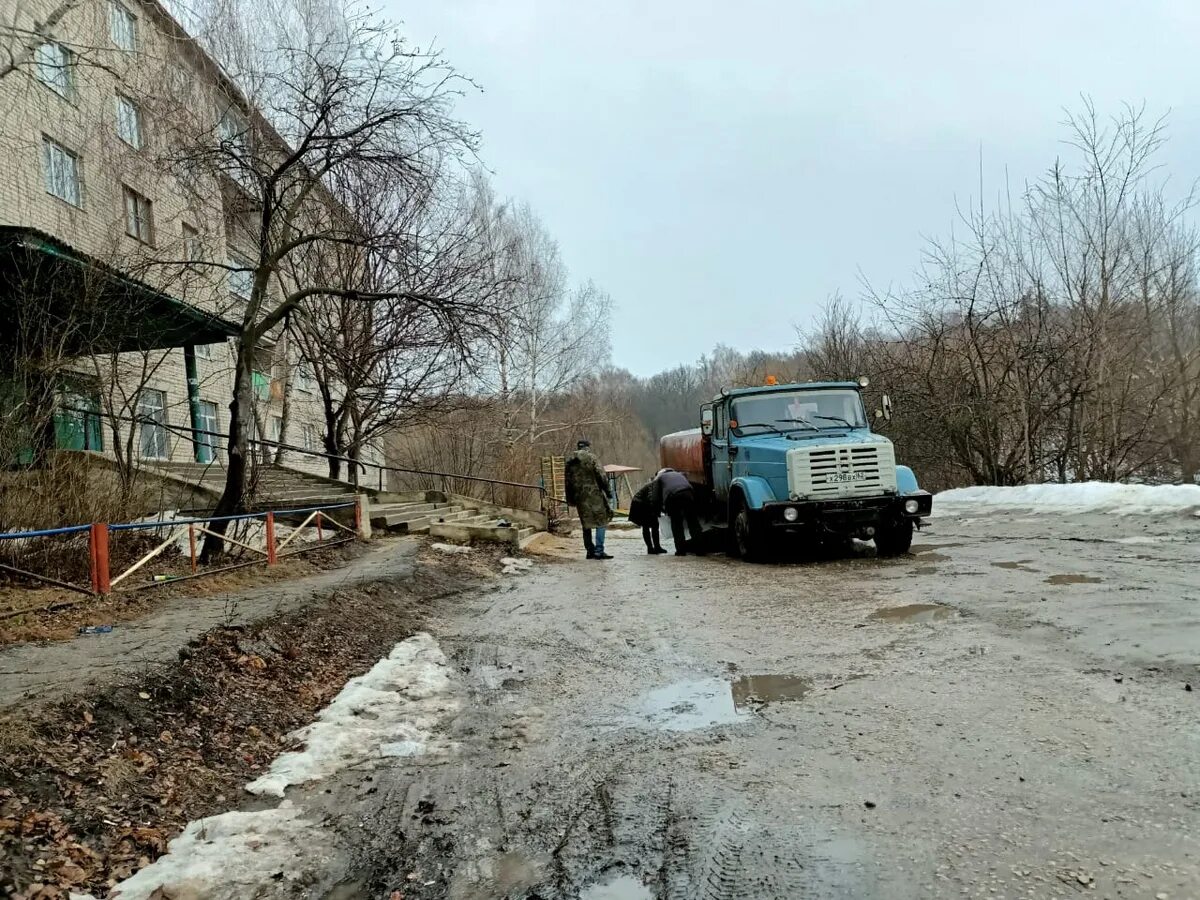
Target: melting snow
[
  {"x": 390, "y": 711},
  {"x": 451, "y": 548},
  {"x": 272, "y": 846},
  {"x": 1084, "y": 497},
  {"x": 510, "y": 565}
]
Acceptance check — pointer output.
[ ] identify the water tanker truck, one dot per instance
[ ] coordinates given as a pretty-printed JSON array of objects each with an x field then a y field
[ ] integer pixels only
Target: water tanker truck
[{"x": 797, "y": 463}]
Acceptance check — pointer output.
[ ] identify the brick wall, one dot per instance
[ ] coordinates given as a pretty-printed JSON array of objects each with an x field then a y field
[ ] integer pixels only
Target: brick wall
[{"x": 172, "y": 85}]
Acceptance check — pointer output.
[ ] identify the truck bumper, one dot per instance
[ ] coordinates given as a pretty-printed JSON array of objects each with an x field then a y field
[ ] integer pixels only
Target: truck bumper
[{"x": 850, "y": 517}]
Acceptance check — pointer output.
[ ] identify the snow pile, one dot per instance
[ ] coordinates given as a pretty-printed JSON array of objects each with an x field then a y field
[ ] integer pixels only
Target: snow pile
[
  {"x": 510, "y": 565},
  {"x": 232, "y": 856},
  {"x": 451, "y": 549},
  {"x": 279, "y": 853},
  {"x": 1084, "y": 497},
  {"x": 392, "y": 710}
]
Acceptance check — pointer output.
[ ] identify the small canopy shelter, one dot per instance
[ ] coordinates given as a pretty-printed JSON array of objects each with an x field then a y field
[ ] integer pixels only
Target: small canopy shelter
[
  {"x": 55, "y": 298},
  {"x": 59, "y": 304},
  {"x": 618, "y": 475}
]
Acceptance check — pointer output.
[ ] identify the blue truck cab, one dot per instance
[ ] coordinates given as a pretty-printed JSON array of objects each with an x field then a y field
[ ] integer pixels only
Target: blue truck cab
[{"x": 799, "y": 461}]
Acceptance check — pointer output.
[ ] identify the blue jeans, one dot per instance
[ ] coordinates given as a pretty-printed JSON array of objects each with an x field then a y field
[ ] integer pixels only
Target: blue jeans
[{"x": 593, "y": 546}]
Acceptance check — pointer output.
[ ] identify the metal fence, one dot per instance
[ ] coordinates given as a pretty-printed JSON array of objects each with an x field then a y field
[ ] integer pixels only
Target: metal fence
[{"x": 324, "y": 525}]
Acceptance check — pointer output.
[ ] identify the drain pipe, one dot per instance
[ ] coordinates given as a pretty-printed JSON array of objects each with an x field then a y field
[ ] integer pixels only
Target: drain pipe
[{"x": 200, "y": 445}]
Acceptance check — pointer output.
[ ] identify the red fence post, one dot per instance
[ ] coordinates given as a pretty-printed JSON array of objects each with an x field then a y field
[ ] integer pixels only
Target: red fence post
[
  {"x": 357, "y": 516},
  {"x": 98, "y": 549},
  {"x": 192, "y": 544},
  {"x": 271, "y": 559}
]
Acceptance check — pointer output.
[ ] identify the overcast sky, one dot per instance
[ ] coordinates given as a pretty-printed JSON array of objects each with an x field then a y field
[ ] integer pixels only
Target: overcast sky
[{"x": 721, "y": 168}]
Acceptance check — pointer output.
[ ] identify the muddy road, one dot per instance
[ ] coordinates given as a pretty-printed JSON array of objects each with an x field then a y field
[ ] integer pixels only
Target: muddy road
[{"x": 1005, "y": 713}]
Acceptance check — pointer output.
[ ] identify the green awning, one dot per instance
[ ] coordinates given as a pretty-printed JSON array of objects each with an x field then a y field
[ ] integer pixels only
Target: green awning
[{"x": 56, "y": 299}]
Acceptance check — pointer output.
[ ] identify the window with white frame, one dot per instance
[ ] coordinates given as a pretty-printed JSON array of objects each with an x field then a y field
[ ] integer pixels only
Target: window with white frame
[
  {"x": 139, "y": 216},
  {"x": 122, "y": 26},
  {"x": 207, "y": 351},
  {"x": 277, "y": 428},
  {"x": 232, "y": 128},
  {"x": 309, "y": 432},
  {"x": 55, "y": 68},
  {"x": 241, "y": 276},
  {"x": 152, "y": 413},
  {"x": 193, "y": 250},
  {"x": 62, "y": 172},
  {"x": 209, "y": 425},
  {"x": 304, "y": 377},
  {"x": 129, "y": 122}
]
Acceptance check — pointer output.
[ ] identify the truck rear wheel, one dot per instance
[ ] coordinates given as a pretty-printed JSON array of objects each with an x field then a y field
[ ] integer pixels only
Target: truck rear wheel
[{"x": 894, "y": 538}]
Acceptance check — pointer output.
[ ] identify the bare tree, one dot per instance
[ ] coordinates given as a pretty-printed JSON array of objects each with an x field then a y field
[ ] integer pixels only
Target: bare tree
[{"x": 321, "y": 101}]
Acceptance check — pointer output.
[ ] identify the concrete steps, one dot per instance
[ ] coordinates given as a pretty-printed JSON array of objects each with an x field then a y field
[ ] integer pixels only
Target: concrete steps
[{"x": 444, "y": 516}]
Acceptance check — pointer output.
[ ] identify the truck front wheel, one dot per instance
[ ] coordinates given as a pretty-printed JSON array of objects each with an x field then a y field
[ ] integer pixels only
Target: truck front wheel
[
  {"x": 747, "y": 543},
  {"x": 894, "y": 538}
]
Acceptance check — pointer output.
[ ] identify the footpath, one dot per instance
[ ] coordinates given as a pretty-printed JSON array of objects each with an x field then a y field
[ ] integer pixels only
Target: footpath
[{"x": 47, "y": 671}]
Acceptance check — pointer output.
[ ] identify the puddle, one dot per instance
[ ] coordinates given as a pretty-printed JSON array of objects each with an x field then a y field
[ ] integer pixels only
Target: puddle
[
  {"x": 689, "y": 705},
  {"x": 507, "y": 874},
  {"x": 926, "y": 556},
  {"x": 1074, "y": 579},
  {"x": 751, "y": 690},
  {"x": 620, "y": 887},
  {"x": 1021, "y": 565},
  {"x": 914, "y": 612}
]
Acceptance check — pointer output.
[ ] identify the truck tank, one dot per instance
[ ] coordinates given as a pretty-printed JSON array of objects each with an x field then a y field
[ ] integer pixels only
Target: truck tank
[{"x": 683, "y": 451}]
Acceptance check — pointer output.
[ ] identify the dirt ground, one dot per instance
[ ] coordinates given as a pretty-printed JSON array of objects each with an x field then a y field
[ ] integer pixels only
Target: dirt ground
[
  {"x": 93, "y": 786},
  {"x": 29, "y": 612},
  {"x": 1006, "y": 713},
  {"x": 149, "y": 635}
]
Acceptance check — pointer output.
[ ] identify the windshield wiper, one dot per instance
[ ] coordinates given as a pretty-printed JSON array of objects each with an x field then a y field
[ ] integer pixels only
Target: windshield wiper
[
  {"x": 741, "y": 427},
  {"x": 801, "y": 422},
  {"x": 834, "y": 419}
]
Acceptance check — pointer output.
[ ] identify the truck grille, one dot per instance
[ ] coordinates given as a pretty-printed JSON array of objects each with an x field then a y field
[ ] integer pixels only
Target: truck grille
[{"x": 846, "y": 470}]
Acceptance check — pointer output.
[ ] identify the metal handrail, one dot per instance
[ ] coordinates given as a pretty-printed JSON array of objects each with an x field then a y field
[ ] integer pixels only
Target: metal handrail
[{"x": 188, "y": 431}]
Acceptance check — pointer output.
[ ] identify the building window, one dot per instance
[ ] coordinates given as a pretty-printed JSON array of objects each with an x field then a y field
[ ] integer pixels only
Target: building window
[
  {"x": 129, "y": 122},
  {"x": 232, "y": 128},
  {"x": 152, "y": 412},
  {"x": 277, "y": 428},
  {"x": 193, "y": 251},
  {"x": 304, "y": 377},
  {"x": 55, "y": 69},
  {"x": 139, "y": 216},
  {"x": 206, "y": 440},
  {"x": 241, "y": 277},
  {"x": 62, "y": 172},
  {"x": 309, "y": 433},
  {"x": 122, "y": 25}
]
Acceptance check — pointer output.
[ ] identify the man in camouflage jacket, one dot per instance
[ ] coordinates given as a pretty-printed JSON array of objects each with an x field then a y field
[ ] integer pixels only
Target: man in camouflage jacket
[{"x": 587, "y": 491}]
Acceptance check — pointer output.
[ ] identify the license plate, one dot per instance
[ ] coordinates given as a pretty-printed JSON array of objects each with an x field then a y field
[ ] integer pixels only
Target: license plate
[{"x": 843, "y": 477}]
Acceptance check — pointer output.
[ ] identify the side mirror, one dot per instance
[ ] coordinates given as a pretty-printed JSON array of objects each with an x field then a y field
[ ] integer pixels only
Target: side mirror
[
  {"x": 706, "y": 419},
  {"x": 887, "y": 407}
]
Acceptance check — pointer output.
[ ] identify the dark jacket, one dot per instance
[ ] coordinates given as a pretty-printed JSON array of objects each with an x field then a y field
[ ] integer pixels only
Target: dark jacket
[
  {"x": 642, "y": 510},
  {"x": 667, "y": 484},
  {"x": 587, "y": 489}
]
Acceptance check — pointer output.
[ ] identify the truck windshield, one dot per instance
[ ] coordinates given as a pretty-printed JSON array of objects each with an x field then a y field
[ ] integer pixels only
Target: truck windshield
[{"x": 798, "y": 411}]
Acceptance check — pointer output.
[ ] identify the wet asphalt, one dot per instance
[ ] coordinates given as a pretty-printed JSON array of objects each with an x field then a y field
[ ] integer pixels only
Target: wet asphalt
[{"x": 1005, "y": 713}]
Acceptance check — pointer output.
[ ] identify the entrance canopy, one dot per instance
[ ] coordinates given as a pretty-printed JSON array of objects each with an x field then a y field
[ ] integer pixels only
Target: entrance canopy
[{"x": 55, "y": 298}]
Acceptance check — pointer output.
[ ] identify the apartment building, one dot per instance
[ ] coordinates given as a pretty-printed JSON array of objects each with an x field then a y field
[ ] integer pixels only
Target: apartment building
[{"x": 82, "y": 120}]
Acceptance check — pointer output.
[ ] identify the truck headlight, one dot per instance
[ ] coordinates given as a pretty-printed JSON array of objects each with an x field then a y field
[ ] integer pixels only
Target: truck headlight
[
  {"x": 911, "y": 507},
  {"x": 791, "y": 514}
]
